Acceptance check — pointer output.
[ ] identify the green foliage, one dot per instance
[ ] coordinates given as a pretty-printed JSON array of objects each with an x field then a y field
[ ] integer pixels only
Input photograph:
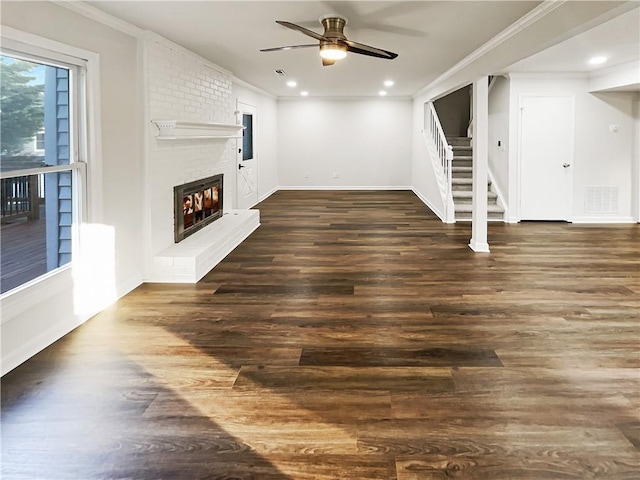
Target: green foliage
[{"x": 21, "y": 105}]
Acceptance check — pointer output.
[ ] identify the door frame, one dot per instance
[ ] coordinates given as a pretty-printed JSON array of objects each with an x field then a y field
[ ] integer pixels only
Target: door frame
[
  {"x": 242, "y": 108},
  {"x": 572, "y": 98}
]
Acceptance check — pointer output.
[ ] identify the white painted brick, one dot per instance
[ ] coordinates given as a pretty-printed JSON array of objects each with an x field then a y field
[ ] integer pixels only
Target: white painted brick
[{"x": 181, "y": 87}]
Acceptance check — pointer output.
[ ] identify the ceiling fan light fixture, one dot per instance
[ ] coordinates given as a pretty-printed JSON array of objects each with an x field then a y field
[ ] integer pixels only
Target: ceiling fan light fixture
[{"x": 332, "y": 51}]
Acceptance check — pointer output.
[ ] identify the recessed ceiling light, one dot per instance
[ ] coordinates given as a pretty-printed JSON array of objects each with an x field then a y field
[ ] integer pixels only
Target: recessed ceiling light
[
  {"x": 382, "y": 93},
  {"x": 291, "y": 83},
  {"x": 388, "y": 83},
  {"x": 304, "y": 93},
  {"x": 597, "y": 60}
]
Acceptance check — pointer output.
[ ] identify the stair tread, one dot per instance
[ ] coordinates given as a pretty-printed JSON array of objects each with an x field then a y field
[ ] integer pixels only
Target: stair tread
[
  {"x": 469, "y": 194},
  {"x": 465, "y": 181},
  {"x": 468, "y": 207}
]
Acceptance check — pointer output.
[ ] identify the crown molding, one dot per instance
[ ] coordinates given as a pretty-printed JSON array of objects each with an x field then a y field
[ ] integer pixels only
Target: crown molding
[
  {"x": 347, "y": 98},
  {"x": 523, "y": 23},
  {"x": 253, "y": 88},
  {"x": 100, "y": 16}
]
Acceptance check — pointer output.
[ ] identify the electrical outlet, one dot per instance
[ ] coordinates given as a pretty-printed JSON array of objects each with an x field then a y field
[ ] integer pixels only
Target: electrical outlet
[
  {"x": 307, "y": 175},
  {"x": 335, "y": 175}
]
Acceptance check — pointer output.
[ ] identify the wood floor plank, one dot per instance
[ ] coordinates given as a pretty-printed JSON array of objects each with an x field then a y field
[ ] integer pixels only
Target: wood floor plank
[
  {"x": 352, "y": 336},
  {"x": 349, "y": 378},
  {"x": 396, "y": 357}
]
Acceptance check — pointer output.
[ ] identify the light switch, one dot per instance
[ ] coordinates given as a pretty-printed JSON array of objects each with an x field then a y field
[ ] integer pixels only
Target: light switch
[{"x": 614, "y": 128}]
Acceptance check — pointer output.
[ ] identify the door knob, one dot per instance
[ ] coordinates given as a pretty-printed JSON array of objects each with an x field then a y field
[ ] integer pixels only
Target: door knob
[
  {"x": 566, "y": 165},
  {"x": 240, "y": 166}
]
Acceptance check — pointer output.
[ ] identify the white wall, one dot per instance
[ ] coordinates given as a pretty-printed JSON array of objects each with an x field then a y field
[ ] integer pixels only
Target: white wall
[
  {"x": 499, "y": 132},
  {"x": 635, "y": 193},
  {"x": 423, "y": 175},
  {"x": 265, "y": 141},
  {"x": 602, "y": 158},
  {"x": 366, "y": 142},
  {"x": 34, "y": 317},
  {"x": 182, "y": 86}
]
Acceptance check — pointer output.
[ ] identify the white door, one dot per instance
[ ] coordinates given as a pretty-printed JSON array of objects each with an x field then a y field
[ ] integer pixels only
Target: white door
[
  {"x": 247, "y": 164},
  {"x": 546, "y": 156}
]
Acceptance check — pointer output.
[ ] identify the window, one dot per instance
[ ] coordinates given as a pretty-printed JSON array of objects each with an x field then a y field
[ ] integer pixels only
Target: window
[
  {"x": 247, "y": 137},
  {"x": 39, "y": 140},
  {"x": 41, "y": 175}
]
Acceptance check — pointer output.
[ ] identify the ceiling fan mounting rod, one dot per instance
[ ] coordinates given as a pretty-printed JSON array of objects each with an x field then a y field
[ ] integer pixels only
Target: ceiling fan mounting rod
[{"x": 333, "y": 26}]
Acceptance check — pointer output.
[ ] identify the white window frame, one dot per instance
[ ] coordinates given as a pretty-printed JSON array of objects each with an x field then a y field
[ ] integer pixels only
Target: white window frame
[
  {"x": 87, "y": 147},
  {"x": 35, "y": 142}
]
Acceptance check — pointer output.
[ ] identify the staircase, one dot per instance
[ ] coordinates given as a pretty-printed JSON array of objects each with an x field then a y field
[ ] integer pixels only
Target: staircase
[{"x": 461, "y": 183}]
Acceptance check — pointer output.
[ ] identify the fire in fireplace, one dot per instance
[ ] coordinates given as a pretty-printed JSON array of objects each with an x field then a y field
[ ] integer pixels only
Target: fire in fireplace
[{"x": 197, "y": 204}]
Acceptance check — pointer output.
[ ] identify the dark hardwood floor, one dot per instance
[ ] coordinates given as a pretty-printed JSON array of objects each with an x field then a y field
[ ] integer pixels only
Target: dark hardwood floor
[{"x": 352, "y": 336}]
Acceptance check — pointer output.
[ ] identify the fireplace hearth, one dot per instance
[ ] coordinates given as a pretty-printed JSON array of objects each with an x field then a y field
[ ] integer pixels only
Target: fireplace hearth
[{"x": 196, "y": 205}]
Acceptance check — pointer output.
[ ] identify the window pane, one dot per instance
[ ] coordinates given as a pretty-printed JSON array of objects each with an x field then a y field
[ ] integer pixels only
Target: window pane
[
  {"x": 247, "y": 137},
  {"x": 37, "y": 216},
  {"x": 35, "y": 114}
]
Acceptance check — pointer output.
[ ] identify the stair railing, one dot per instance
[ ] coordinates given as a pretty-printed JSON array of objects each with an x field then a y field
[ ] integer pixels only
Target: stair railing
[{"x": 444, "y": 154}]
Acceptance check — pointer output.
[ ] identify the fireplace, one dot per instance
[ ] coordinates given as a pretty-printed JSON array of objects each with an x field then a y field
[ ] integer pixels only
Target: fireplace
[{"x": 196, "y": 205}]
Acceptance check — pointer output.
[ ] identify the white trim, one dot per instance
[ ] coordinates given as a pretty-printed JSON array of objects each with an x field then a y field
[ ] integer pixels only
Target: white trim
[
  {"x": 500, "y": 200},
  {"x": 37, "y": 171},
  {"x": 150, "y": 36},
  {"x": 572, "y": 160},
  {"x": 344, "y": 187},
  {"x": 184, "y": 129},
  {"x": 253, "y": 88},
  {"x": 56, "y": 50},
  {"x": 547, "y": 75},
  {"x": 268, "y": 194},
  {"x": 100, "y": 16},
  {"x": 19, "y": 299},
  {"x": 524, "y": 22},
  {"x": 92, "y": 151},
  {"x": 143, "y": 89},
  {"x": 479, "y": 247},
  {"x": 125, "y": 287},
  {"x": 39, "y": 342},
  {"x": 16, "y": 303},
  {"x": 603, "y": 72},
  {"x": 430, "y": 206},
  {"x": 344, "y": 98},
  {"x": 603, "y": 220}
]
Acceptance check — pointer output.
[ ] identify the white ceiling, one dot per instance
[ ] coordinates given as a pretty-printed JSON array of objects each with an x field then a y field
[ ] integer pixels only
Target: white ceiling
[
  {"x": 618, "y": 40},
  {"x": 430, "y": 37}
]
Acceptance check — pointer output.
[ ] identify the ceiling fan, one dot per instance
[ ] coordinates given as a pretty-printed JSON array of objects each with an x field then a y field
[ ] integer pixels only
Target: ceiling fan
[{"x": 333, "y": 43}]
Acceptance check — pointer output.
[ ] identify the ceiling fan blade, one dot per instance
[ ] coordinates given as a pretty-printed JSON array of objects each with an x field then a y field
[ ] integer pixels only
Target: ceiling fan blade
[
  {"x": 363, "y": 49},
  {"x": 300, "y": 29},
  {"x": 326, "y": 62},
  {"x": 289, "y": 47}
]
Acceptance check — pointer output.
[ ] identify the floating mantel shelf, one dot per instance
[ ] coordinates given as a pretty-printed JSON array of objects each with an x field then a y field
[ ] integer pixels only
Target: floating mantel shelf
[{"x": 177, "y": 129}]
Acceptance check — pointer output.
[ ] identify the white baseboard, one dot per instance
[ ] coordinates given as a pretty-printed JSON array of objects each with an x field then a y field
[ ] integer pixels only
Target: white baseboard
[
  {"x": 603, "y": 220},
  {"x": 479, "y": 247},
  {"x": 345, "y": 187},
  {"x": 268, "y": 194},
  {"x": 39, "y": 342},
  {"x": 429, "y": 205}
]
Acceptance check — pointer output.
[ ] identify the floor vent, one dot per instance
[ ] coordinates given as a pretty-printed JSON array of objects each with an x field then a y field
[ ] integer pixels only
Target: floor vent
[{"x": 601, "y": 200}]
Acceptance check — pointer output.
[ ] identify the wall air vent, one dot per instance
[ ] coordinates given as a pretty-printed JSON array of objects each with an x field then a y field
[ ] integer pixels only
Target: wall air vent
[{"x": 601, "y": 200}]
